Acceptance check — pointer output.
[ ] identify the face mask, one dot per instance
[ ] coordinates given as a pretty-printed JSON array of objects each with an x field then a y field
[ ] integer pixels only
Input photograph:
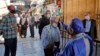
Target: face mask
[
  {"x": 70, "y": 31},
  {"x": 16, "y": 15},
  {"x": 87, "y": 17},
  {"x": 54, "y": 24},
  {"x": 48, "y": 16},
  {"x": 13, "y": 11}
]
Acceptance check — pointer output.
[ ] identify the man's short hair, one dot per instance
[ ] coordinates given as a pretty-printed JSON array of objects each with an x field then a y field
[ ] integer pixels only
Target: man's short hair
[
  {"x": 87, "y": 13},
  {"x": 10, "y": 6}
]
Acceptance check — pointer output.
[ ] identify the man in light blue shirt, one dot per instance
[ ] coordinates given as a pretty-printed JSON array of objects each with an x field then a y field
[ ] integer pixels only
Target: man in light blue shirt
[
  {"x": 88, "y": 26},
  {"x": 51, "y": 36}
]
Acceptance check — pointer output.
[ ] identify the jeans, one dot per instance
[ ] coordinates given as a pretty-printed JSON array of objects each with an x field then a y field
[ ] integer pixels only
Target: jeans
[{"x": 32, "y": 30}]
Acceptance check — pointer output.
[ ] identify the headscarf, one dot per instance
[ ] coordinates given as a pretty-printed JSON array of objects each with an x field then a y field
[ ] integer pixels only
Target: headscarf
[{"x": 77, "y": 25}]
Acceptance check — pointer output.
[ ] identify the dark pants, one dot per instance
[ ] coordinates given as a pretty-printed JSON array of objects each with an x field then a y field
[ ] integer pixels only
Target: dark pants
[
  {"x": 51, "y": 51},
  {"x": 40, "y": 32},
  {"x": 23, "y": 30},
  {"x": 32, "y": 30},
  {"x": 10, "y": 47},
  {"x": 36, "y": 24},
  {"x": 48, "y": 52}
]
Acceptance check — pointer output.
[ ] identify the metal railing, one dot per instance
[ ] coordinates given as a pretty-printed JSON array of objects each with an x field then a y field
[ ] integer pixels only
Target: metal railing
[
  {"x": 66, "y": 36},
  {"x": 96, "y": 46},
  {"x": 97, "y": 41}
]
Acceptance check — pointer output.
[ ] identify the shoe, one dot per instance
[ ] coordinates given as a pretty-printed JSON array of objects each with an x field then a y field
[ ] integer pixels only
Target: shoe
[
  {"x": 32, "y": 36},
  {"x": 22, "y": 36}
]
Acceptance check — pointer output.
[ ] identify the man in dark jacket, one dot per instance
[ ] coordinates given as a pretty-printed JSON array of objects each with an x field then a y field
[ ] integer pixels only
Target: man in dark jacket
[
  {"x": 45, "y": 20},
  {"x": 90, "y": 26}
]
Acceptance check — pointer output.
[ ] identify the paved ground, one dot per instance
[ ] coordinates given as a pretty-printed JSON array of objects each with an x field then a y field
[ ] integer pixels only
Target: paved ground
[
  {"x": 27, "y": 47},
  {"x": 31, "y": 47}
]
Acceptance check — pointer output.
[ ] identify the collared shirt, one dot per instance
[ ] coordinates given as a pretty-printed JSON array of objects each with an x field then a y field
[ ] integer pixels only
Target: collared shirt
[
  {"x": 87, "y": 26},
  {"x": 50, "y": 34},
  {"x": 5, "y": 26}
]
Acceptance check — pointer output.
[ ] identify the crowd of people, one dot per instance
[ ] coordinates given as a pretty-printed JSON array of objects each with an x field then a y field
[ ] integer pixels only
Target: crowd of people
[{"x": 82, "y": 33}]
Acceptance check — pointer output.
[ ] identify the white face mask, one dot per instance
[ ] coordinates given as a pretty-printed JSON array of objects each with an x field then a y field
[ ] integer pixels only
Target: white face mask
[
  {"x": 54, "y": 24},
  {"x": 48, "y": 15},
  {"x": 87, "y": 17},
  {"x": 16, "y": 15}
]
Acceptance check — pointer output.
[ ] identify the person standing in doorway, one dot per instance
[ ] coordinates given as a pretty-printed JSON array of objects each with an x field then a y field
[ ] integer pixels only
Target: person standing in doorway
[
  {"x": 90, "y": 26},
  {"x": 9, "y": 28}
]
